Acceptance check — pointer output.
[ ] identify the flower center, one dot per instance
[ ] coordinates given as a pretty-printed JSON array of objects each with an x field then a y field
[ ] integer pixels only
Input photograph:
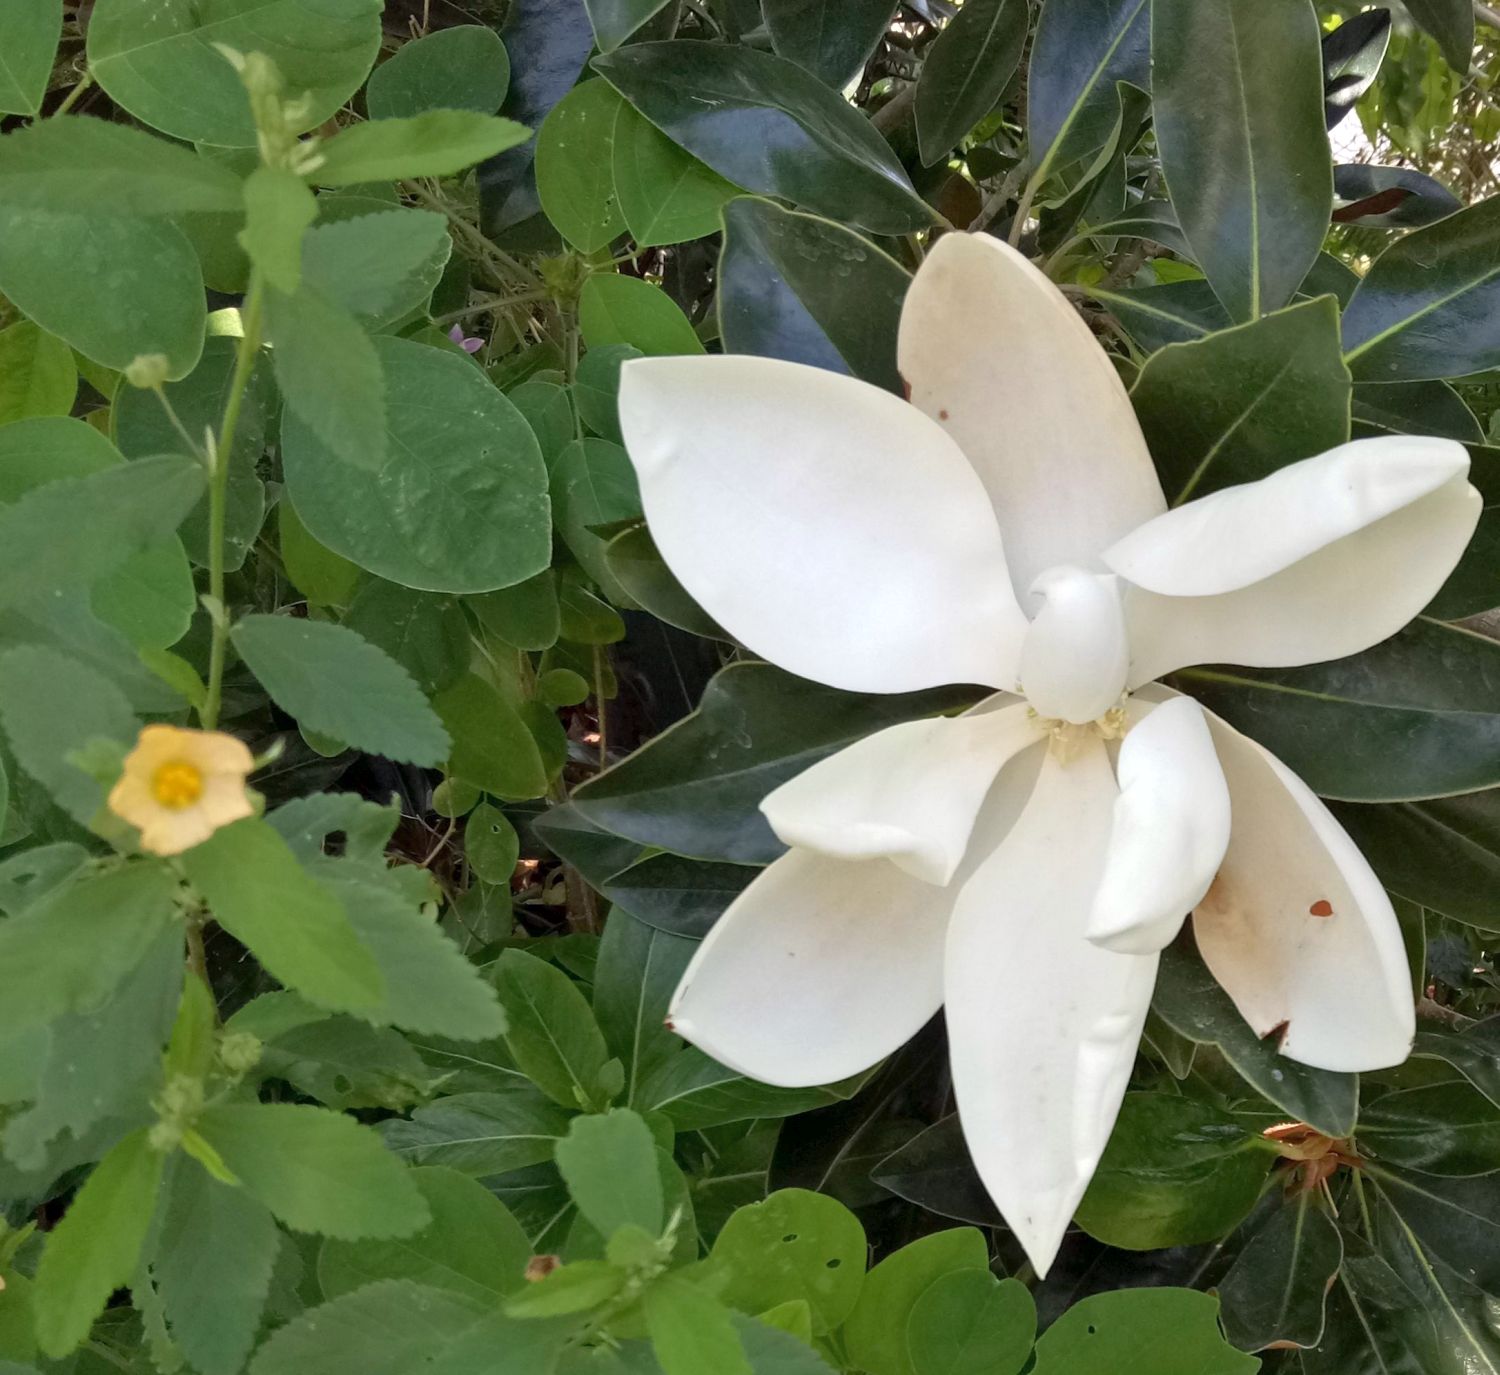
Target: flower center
[
  {"x": 1075, "y": 660},
  {"x": 177, "y": 785}
]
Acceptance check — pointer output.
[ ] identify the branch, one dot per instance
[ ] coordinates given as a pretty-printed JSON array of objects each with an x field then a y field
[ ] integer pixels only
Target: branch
[{"x": 1487, "y": 14}]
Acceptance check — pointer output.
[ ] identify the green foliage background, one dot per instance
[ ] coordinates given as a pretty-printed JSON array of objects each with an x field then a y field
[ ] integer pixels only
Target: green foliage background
[{"x": 311, "y": 321}]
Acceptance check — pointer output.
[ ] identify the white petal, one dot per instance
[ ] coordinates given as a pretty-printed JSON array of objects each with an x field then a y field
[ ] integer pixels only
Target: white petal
[
  {"x": 822, "y": 967},
  {"x": 909, "y": 793},
  {"x": 1075, "y": 657},
  {"x": 1321, "y": 559},
  {"x": 1297, "y": 928},
  {"x": 1171, "y": 828},
  {"x": 995, "y": 353},
  {"x": 832, "y": 528},
  {"x": 1042, "y": 1025}
]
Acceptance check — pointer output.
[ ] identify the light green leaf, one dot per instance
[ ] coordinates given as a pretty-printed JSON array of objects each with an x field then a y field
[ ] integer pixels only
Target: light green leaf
[
  {"x": 473, "y": 1245},
  {"x": 52, "y": 706},
  {"x": 459, "y": 68},
  {"x": 665, "y": 194},
  {"x": 970, "y": 1323},
  {"x": 335, "y": 681},
  {"x": 378, "y": 266},
  {"x": 29, "y": 31},
  {"x": 552, "y": 1034},
  {"x": 626, "y": 310},
  {"x": 492, "y": 747},
  {"x": 480, "y": 1134},
  {"x": 491, "y": 845},
  {"x": 795, "y": 1245},
  {"x": 60, "y": 267},
  {"x": 94, "y": 1249},
  {"x": 575, "y": 1287},
  {"x": 317, "y": 1171},
  {"x": 594, "y": 483},
  {"x": 76, "y": 163},
  {"x": 437, "y": 143},
  {"x": 874, "y": 1333},
  {"x": 460, "y": 503},
  {"x": 295, "y": 926},
  {"x": 1165, "y": 1331},
  {"x": 112, "y": 920},
  {"x": 278, "y": 210},
  {"x": 158, "y": 59},
  {"x": 214, "y": 1253},
  {"x": 37, "y": 374},
  {"x": 691, "y": 1333},
  {"x": 574, "y": 166},
  {"x": 608, "y": 1162},
  {"x": 323, "y": 577},
  {"x": 430, "y": 986},
  {"x": 331, "y": 376}
]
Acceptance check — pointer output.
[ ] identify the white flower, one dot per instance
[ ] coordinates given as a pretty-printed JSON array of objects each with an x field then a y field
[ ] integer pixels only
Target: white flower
[{"x": 1016, "y": 865}]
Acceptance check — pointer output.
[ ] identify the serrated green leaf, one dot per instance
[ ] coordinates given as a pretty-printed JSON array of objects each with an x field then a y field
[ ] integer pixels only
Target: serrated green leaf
[
  {"x": 379, "y": 266},
  {"x": 278, "y": 210},
  {"x": 692, "y": 1333},
  {"x": 608, "y": 1162},
  {"x": 295, "y": 926},
  {"x": 317, "y": 1171},
  {"x": 94, "y": 1249},
  {"x": 330, "y": 678}
]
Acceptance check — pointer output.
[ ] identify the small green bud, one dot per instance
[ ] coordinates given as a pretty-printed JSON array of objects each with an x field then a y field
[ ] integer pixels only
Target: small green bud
[
  {"x": 147, "y": 370},
  {"x": 239, "y": 1052}
]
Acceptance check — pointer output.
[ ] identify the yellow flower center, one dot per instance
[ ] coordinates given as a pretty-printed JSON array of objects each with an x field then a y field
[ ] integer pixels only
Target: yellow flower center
[{"x": 177, "y": 785}]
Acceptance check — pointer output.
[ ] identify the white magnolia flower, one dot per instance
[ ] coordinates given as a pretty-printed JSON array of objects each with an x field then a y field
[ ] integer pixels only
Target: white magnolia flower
[{"x": 1023, "y": 864}]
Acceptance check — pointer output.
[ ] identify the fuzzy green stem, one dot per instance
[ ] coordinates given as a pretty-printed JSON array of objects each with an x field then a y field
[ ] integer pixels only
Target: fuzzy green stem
[{"x": 218, "y": 490}]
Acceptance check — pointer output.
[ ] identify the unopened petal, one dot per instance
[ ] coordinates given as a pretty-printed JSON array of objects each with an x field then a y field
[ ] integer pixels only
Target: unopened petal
[
  {"x": 994, "y": 352},
  {"x": 1297, "y": 928},
  {"x": 909, "y": 793},
  {"x": 1076, "y": 656},
  {"x": 835, "y": 530},
  {"x": 1170, "y": 830},
  {"x": 1320, "y": 560},
  {"x": 1043, "y": 1025}
]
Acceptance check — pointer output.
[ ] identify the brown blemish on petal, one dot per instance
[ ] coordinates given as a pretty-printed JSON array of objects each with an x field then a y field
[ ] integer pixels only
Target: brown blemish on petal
[
  {"x": 906, "y": 389},
  {"x": 942, "y": 415},
  {"x": 1321, "y": 908},
  {"x": 1278, "y": 1032}
]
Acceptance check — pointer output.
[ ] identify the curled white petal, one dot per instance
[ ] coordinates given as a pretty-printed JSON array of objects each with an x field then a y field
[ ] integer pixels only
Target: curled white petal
[
  {"x": 1170, "y": 831},
  {"x": 909, "y": 793},
  {"x": 1075, "y": 657},
  {"x": 1321, "y": 559},
  {"x": 1043, "y": 1025},
  {"x": 1297, "y": 928},
  {"x": 995, "y": 353},
  {"x": 835, "y": 530}
]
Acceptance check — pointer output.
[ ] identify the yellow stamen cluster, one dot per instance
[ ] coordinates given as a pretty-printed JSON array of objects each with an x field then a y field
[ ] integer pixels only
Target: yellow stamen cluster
[
  {"x": 1068, "y": 737},
  {"x": 177, "y": 784}
]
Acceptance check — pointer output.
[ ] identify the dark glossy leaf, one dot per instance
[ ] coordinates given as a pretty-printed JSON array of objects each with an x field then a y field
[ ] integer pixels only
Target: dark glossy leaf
[
  {"x": 1418, "y": 408},
  {"x": 1240, "y": 129},
  {"x": 1430, "y": 304},
  {"x": 1443, "y": 1129},
  {"x": 1155, "y": 220},
  {"x": 1352, "y": 55},
  {"x": 1443, "y": 853},
  {"x": 633, "y": 561},
  {"x": 1237, "y": 405},
  {"x": 1473, "y": 1052},
  {"x": 1374, "y": 1324},
  {"x": 549, "y": 42},
  {"x": 593, "y": 851},
  {"x": 1394, "y": 197},
  {"x": 935, "y": 1171},
  {"x": 638, "y": 971},
  {"x": 682, "y": 896},
  {"x": 767, "y": 125},
  {"x": 1474, "y": 586},
  {"x": 807, "y": 290},
  {"x": 694, "y": 790},
  {"x": 966, "y": 70},
  {"x": 1165, "y": 1331},
  {"x": 833, "y": 39},
  {"x": 1274, "y": 1291},
  {"x": 1173, "y": 313},
  {"x": 1192, "y": 1003},
  {"x": 1082, "y": 48},
  {"x": 1415, "y": 717},
  {"x": 1457, "y": 1220},
  {"x": 480, "y": 1134},
  {"x": 1330, "y": 276},
  {"x": 1451, "y": 22},
  {"x": 1176, "y": 1171},
  {"x": 615, "y": 20}
]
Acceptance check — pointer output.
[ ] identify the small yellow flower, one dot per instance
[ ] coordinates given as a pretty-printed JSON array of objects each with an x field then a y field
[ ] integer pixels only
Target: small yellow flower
[{"x": 179, "y": 786}]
